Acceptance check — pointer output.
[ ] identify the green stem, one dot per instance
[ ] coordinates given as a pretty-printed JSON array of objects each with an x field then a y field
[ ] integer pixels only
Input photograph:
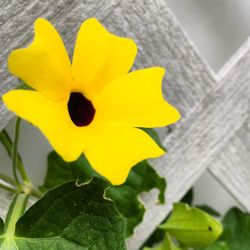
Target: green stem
[
  {"x": 35, "y": 192},
  {"x": 14, "y": 151},
  {"x": 7, "y": 143},
  {"x": 7, "y": 179},
  {"x": 26, "y": 187},
  {"x": 16, "y": 210},
  {"x": 10, "y": 189}
]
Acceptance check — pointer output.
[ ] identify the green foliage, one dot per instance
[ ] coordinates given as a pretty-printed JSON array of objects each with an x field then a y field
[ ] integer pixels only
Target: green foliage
[
  {"x": 70, "y": 217},
  {"x": 220, "y": 245},
  {"x": 166, "y": 244},
  {"x": 1, "y": 226},
  {"x": 158, "y": 234},
  {"x": 59, "y": 171},
  {"x": 237, "y": 230},
  {"x": 236, "y": 235},
  {"x": 153, "y": 134},
  {"x": 155, "y": 238},
  {"x": 191, "y": 226},
  {"x": 188, "y": 197},
  {"x": 141, "y": 178}
]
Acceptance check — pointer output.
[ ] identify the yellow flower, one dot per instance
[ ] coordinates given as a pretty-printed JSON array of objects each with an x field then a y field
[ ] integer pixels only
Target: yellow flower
[{"x": 93, "y": 106}]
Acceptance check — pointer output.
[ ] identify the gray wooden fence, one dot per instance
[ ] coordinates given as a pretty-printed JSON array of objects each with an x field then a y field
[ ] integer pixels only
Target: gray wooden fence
[{"x": 214, "y": 132}]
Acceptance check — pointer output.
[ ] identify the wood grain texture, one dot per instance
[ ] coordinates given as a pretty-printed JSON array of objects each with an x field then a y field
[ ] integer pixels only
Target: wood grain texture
[
  {"x": 231, "y": 166},
  {"x": 214, "y": 108}
]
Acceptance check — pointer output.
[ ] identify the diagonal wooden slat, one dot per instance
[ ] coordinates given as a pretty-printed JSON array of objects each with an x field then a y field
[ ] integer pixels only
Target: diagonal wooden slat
[
  {"x": 232, "y": 166},
  {"x": 215, "y": 108}
]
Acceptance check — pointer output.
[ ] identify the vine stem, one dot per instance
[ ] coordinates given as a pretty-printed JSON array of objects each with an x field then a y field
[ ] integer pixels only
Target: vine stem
[
  {"x": 7, "y": 179},
  {"x": 25, "y": 187},
  {"x": 28, "y": 188},
  {"x": 14, "y": 151},
  {"x": 7, "y": 143},
  {"x": 8, "y": 188},
  {"x": 5, "y": 139},
  {"x": 16, "y": 210}
]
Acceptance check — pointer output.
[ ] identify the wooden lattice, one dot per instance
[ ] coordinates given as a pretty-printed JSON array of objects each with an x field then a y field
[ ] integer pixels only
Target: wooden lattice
[{"x": 214, "y": 132}]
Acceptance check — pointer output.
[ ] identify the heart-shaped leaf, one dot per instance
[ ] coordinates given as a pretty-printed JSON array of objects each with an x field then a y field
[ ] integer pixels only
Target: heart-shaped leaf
[
  {"x": 70, "y": 217},
  {"x": 142, "y": 178}
]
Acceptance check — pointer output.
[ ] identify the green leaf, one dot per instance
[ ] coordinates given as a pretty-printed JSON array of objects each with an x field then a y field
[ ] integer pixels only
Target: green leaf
[
  {"x": 153, "y": 134},
  {"x": 70, "y": 217},
  {"x": 158, "y": 234},
  {"x": 166, "y": 244},
  {"x": 236, "y": 234},
  {"x": 142, "y": 178},
  {"x": 1, "y": 226},
  {"x": 188, "y": 197},
  {"x": 191, "y": 226},
  {"x": 236, "y": 230},
  {"x": 155, "y": 238},
  {"x": 59, "y": 171},
  {"x": 220, "y": 245}
]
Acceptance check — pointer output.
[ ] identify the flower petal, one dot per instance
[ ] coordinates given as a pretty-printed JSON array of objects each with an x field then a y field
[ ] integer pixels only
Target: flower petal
[
  {"x": 136, "y": 100},
  {"x": 113, "y": 151},
  {"x": 100, "y": 57},
  {"x": 50, "y": 117},
  {"x": 44, "y": 65}
]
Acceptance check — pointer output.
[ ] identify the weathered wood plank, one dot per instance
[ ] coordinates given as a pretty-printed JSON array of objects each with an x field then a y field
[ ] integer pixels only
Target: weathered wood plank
[{"x": 231, "y": 166}]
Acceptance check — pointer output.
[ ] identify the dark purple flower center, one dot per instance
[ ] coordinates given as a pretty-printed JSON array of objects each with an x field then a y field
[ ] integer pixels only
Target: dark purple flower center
[{"x": 81, "y": 110}]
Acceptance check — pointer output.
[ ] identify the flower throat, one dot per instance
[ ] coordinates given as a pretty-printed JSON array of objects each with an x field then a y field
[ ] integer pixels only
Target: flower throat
[{"x": 81, "y": 110}]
